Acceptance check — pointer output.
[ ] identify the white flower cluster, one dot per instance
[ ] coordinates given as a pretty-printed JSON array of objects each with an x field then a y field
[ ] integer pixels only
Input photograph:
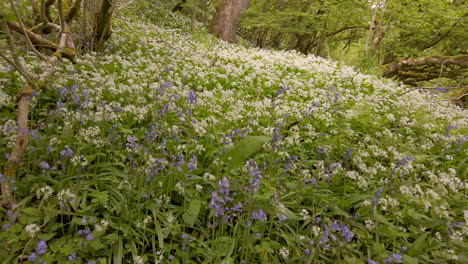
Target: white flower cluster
[
  {"x": 65, "y": 195},
  {"x": 102, "y": 226},
  {"x": 32, "y": 229},
  {"x": 44, "y": 192}
]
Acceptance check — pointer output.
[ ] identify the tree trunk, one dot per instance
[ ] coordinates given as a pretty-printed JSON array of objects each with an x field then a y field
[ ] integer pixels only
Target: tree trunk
[
  {"x": 96, "y": 24},
  {"x": 226, "y": 20}
]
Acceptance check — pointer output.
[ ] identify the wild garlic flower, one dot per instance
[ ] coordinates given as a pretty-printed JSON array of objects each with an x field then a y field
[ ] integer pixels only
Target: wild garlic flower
[
  {"x": 102, "y": 226},
  {"x": 32, "y": 229},
  {"x": 284, "y": 252},
  {"x": 44, "y": 192},
  {"x": 65, "y": 195},
  {"x": 138, "y": 260}
]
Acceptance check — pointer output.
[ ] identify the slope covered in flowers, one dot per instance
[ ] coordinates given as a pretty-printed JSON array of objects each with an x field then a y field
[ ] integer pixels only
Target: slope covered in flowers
[{"x": 177, "y": 148}]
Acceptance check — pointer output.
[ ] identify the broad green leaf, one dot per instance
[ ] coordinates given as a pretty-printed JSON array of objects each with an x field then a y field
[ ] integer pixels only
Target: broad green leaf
[
  {"x": 67, "y": 249},
  {"x": 418, "y": 245},
  {"x": 223, "y": 246},
  {"x": 243, "y": 150},
  {"x": 33, "y": 211},
  {"x": 46, "y": 237},
  {"x": 96, "y": 244},
  {"x": 56, "y": 244},
  {"x": 191, "y": 214}
]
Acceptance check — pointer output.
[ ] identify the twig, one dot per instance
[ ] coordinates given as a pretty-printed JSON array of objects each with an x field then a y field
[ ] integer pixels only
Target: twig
[
  {"x": 28, "y": 40},
  {"x": 28, "y": 75},
  {"x": 431, "y": 88}
]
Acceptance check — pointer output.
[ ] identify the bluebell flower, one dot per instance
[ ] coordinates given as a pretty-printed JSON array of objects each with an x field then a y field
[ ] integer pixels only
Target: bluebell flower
[
  {"x": 260, "y": 215},
  {"x": 282, "y": 218},
  {"x": 394, "y": 258},
  {"x": 347, "y": 234},
  {"x": 33, "y": 257},
  {"x": 192, "y": 97},
  {"x": 307, "y": 252},
  {"x": 72, "y": 257},
  {"x": 403, "y": 249},
  {"x": 67, "y": 153},
  {"x": 370, "y": 261},
  {"x": 377, "y": 195},
  {"x": 192, "y": 164},
  {"x": 281, "y": 90},
  {"x": 89, "y": 237},
  {"x": 224, "y": 186},
  {"x": 41, "y": 247}
]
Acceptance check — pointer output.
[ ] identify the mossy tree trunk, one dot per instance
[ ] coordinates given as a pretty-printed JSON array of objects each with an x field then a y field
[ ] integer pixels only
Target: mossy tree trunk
[
  {"x": 226, "y": 20},
  {"x": 96, "y": 24}
]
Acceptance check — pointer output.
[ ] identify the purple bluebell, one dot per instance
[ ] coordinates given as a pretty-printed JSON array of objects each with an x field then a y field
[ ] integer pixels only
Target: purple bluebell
[
  {"x": 394, "y": 258},
  {"x": 41, "y": 247},
  {"x": 192, "y": 164},
  {"x": 67, "y": 153},
  {"x": 281, "y": 90},
  {"x": 72, "y": 257},
  {"x": 33, "y": 257},
  {"x": 282, "y": 218},
  {"x": 403, "y": 249},
  {"x": 322, "y": 150},
  {"x": 192, "y": 97},
  {"x": 370, "y": 261},
  {"x": 224, "y": 186},
  {"x": 378, "y": 194},
  {"x": 346, "y": 233},
  {"x": 259, "y": 215},
  {"x": 440, "y": 89},
  {"x": 307, "y": 252},
  {"x": 256, "y": 173}
]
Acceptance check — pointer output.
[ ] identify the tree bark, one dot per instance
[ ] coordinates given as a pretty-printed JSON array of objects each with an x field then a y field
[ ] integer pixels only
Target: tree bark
[
  {"x": 226, "y": 20},
  {"x": 96, "y": 24}
]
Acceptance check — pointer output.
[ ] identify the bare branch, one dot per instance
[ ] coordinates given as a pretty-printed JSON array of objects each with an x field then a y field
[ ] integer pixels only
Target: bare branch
[
  {"x": 35, "y": 38},
  {"x": 40, "y": 55},
  {"x": 42, "y": 27},
  {"x": 17, "y": 63}
]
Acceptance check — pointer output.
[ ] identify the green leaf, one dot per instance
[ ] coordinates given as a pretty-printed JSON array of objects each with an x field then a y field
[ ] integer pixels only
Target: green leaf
[
  {"x": 410, "y": 260},
  {"x": 223, "y": 246},
  {"x": 191, "y": 214},
  {"x": 46, "y": 237},
  {"x": 111, "y": 237},
  {"x": 244, "y": 149},
  {"x": 57, "y": 244},
  {"x": 101, "y": 197},
  {"x": 96, "y": 244},
  {"x": 67, "y": 249},
  {"x": 418, "y": 245},
  {"x": 118, "y": 252},
  {"x": 33, "y": 211}
]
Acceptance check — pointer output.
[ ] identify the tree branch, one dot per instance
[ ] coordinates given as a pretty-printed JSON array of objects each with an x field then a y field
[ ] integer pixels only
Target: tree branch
[
  {"x": 28, "y": 40},
  {"x": 35, "y": 38},
  {"x": 344, "y": 29}
]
